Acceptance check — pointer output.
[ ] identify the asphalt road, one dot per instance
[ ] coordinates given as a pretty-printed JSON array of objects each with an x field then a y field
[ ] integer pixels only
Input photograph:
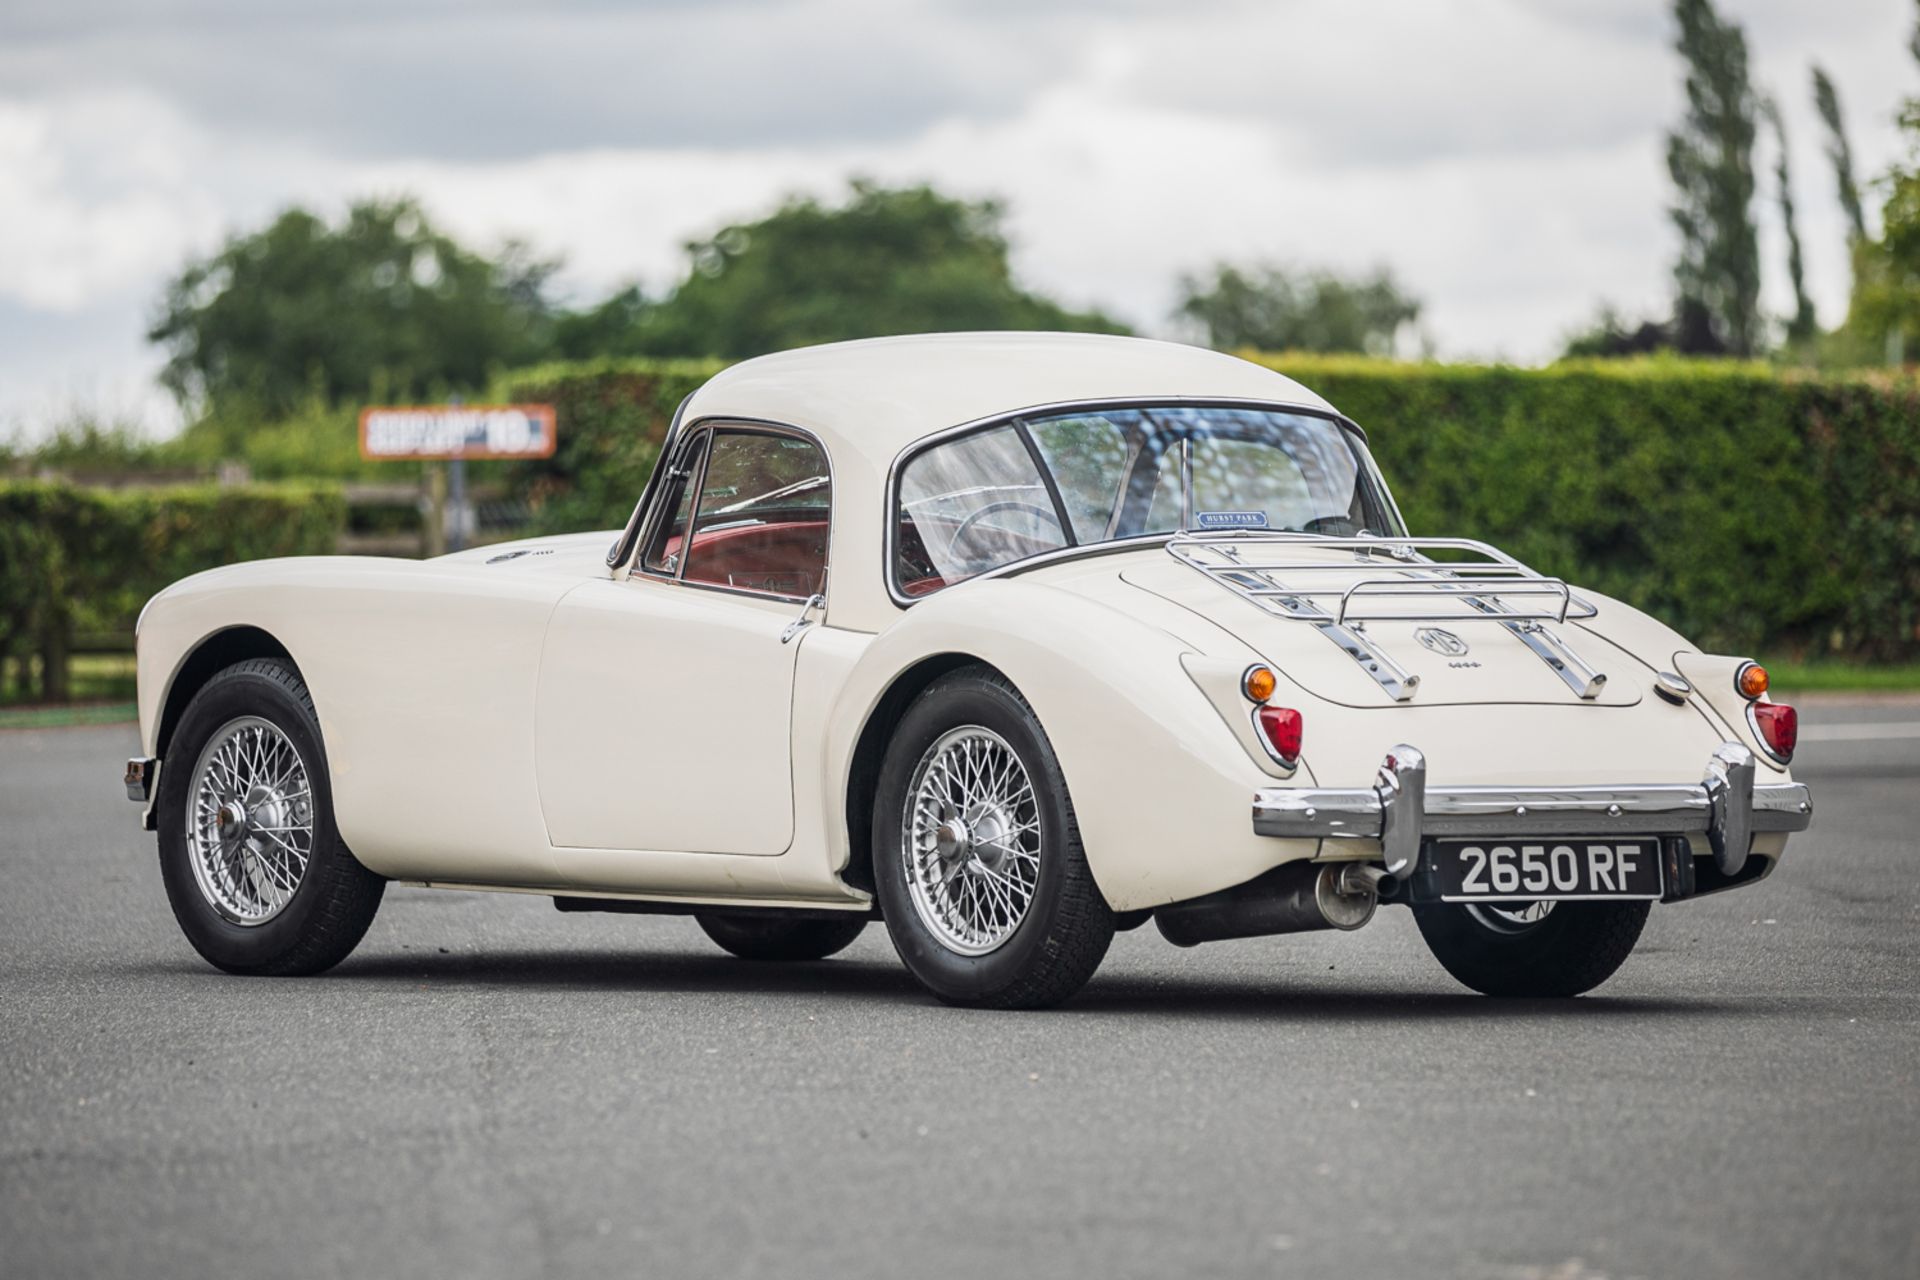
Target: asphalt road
[{"x": 488, "y": 1088}]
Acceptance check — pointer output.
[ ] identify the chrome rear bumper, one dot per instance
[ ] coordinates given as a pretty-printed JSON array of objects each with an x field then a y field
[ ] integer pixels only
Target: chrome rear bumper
[{"x": 1401, "y": 811}]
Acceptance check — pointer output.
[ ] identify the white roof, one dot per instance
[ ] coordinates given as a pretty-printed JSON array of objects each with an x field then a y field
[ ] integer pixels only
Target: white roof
[
  {"x": 879, "y": 395},
  {"x": 869, "y": 400}
]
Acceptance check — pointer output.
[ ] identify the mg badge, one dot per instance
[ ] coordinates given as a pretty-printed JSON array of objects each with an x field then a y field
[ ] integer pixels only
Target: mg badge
[{"x": 1444, "y": 643}]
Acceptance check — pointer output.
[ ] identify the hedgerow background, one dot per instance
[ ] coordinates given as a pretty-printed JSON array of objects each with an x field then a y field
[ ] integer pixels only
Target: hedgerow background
[
  {"x": 78, "y": 559},
  {"x": 1755, "y": 509},
  {"x": 1752, "y": 508}
]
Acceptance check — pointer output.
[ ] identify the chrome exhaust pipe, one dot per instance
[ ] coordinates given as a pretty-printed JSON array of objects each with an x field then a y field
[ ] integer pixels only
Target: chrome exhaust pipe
[
  {"x": 1295, "y": 898},
  {"x": 1347, "y": 896},
  {"x": 1362, "y": 878}
]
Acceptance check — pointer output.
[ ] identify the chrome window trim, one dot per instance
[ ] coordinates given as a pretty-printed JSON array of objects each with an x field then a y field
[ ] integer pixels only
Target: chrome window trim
[
  {"x": 1017, "y": 418},
  {"x": 1047, "y": 482},
  {"x": 626, "y": 546},
  {"x": 690, "y": 440},
  {"x": 711, "y": 425},
  {"x": 1086, "y": 550}
]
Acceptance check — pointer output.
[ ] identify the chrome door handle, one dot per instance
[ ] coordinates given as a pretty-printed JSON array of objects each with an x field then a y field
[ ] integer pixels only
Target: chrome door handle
[{"x": 799, "y": 624}]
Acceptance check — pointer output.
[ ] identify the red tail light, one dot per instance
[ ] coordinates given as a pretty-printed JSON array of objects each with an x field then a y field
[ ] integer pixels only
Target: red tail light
[
  {"x": 1283, "y": 730},
  {"x": 1779, "y": 727}
]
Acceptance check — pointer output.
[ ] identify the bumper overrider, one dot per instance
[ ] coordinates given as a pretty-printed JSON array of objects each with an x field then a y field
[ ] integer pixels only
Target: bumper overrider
[{"x": 1401, "y": 811}]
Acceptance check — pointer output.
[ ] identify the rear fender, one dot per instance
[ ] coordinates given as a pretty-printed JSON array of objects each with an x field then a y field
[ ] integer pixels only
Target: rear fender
[{"x": 1161, "y": 787}]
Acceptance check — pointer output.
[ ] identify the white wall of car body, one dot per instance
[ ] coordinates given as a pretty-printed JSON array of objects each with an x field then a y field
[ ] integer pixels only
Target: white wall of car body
[{"x": 462, "y": 754}]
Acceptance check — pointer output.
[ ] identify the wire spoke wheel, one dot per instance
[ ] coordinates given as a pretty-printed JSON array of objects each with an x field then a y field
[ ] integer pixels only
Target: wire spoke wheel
[
  {"x": 249, "y": 820},
  {"x": 1509, "y": 917},
  {"x": 972, "y": 837}
]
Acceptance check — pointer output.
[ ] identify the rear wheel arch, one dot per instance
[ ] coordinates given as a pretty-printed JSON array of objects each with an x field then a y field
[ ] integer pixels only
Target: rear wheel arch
[
  {"x": 1036, "y": 940},
  {"x": 208, "y": 659},
  {"x": 870, "y": 753}
]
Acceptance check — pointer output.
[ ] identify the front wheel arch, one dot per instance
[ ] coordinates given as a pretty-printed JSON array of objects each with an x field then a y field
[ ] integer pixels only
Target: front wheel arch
[
  {"x": 214, "y": 654},
  {"x": 333, "y": 897}
]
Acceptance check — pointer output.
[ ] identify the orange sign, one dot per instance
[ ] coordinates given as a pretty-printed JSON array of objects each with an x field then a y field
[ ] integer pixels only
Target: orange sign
[{"x": 444, "y": 431}]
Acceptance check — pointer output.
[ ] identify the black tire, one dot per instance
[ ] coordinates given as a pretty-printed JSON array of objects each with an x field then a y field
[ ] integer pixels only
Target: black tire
[
  {"x": 1578, "y": 946},
  {"x": 774, "y": 938},
  {"x": 336, "y": 897},
  {"x": 1067, "y": 927}
]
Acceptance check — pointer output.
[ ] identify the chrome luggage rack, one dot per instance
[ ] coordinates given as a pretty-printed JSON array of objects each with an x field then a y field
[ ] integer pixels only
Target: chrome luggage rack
[{"x": 1265, "y": 569}]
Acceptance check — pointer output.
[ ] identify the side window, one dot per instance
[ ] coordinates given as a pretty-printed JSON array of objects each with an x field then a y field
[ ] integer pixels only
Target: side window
[
  {"x": 663, "y": 552},
  {"x": 762, "y": 517}
]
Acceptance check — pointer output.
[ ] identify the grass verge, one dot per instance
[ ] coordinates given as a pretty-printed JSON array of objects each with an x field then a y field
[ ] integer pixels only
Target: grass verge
[
  {"x": 1822, "y": 676},
  {"x": 70, "y": 714},
  {"x": 91, "y": 677}
]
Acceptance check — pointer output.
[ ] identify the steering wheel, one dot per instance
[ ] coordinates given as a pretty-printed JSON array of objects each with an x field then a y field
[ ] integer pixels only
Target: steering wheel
[
  {"x": 1332, "y": 526},
  {"x": 1006, "y": 504}
]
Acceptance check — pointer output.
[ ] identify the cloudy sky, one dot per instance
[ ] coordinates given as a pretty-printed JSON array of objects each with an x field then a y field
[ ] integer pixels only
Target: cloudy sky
[{"x": 1503, "y": 156}]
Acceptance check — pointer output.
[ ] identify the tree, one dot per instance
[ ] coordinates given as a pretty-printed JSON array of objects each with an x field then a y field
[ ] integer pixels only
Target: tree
[
  {"x": 1826, "y": 100},
  {"x": 1710, "y": 159},
  {"x": 1275, "y": 309},
  {"x": 1802, "y": 325},
  {"x": 905, "y": 260},
  {"x": 614, "y": 327},
  {"x": 382, "y": 301},
  {"x": 1886, "y": 291},
  {"x": 1609, "y": 335}
]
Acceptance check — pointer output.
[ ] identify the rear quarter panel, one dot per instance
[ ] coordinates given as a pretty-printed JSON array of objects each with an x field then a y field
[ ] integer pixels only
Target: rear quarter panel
[
  {"x": 1162, "y": 790},
  {"x": 1161, "y": 781}
]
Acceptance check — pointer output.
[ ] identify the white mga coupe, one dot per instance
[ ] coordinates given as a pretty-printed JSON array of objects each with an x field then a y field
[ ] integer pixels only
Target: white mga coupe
[{"x": 1007, "y": 640}]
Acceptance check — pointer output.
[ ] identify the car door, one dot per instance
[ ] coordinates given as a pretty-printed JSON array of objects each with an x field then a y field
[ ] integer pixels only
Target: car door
[{"x": 666, "y": 693}]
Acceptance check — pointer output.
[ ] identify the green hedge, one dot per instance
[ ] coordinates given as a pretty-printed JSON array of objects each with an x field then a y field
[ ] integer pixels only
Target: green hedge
[
  {"x": 85, "y": 560},
  {"x": 611, "y": 417},
  {"x": 1754, "y": 509}
]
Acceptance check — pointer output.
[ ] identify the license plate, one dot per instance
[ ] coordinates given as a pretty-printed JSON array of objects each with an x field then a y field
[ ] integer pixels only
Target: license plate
[{"x": 1558, "y": 870}]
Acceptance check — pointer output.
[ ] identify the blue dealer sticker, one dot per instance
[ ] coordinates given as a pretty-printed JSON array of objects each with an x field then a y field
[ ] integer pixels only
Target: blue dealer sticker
[{"x": 1231, "y": 519}]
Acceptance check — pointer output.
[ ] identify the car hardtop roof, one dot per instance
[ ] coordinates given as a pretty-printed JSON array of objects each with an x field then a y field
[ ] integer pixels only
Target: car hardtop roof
[{"x": 876, "y": 396}]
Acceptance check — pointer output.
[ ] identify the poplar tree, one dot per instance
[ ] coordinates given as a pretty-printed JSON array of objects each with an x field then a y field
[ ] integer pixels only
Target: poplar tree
[
  {"x": 1710, "y": 159},
  {"x": 1826, "y": 100},
  {"x": 1802, "y": 325}
]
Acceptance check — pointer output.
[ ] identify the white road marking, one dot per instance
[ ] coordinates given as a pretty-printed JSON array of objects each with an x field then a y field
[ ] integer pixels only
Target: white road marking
[{"x": 1860, "y": 732}]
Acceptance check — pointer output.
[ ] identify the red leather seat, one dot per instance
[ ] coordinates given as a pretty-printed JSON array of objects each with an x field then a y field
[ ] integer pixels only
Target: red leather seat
[{"x": 789, "y": 558}]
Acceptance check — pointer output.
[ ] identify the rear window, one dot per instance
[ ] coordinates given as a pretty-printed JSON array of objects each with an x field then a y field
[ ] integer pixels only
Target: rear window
[{"x": 1009, "y": 492}]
